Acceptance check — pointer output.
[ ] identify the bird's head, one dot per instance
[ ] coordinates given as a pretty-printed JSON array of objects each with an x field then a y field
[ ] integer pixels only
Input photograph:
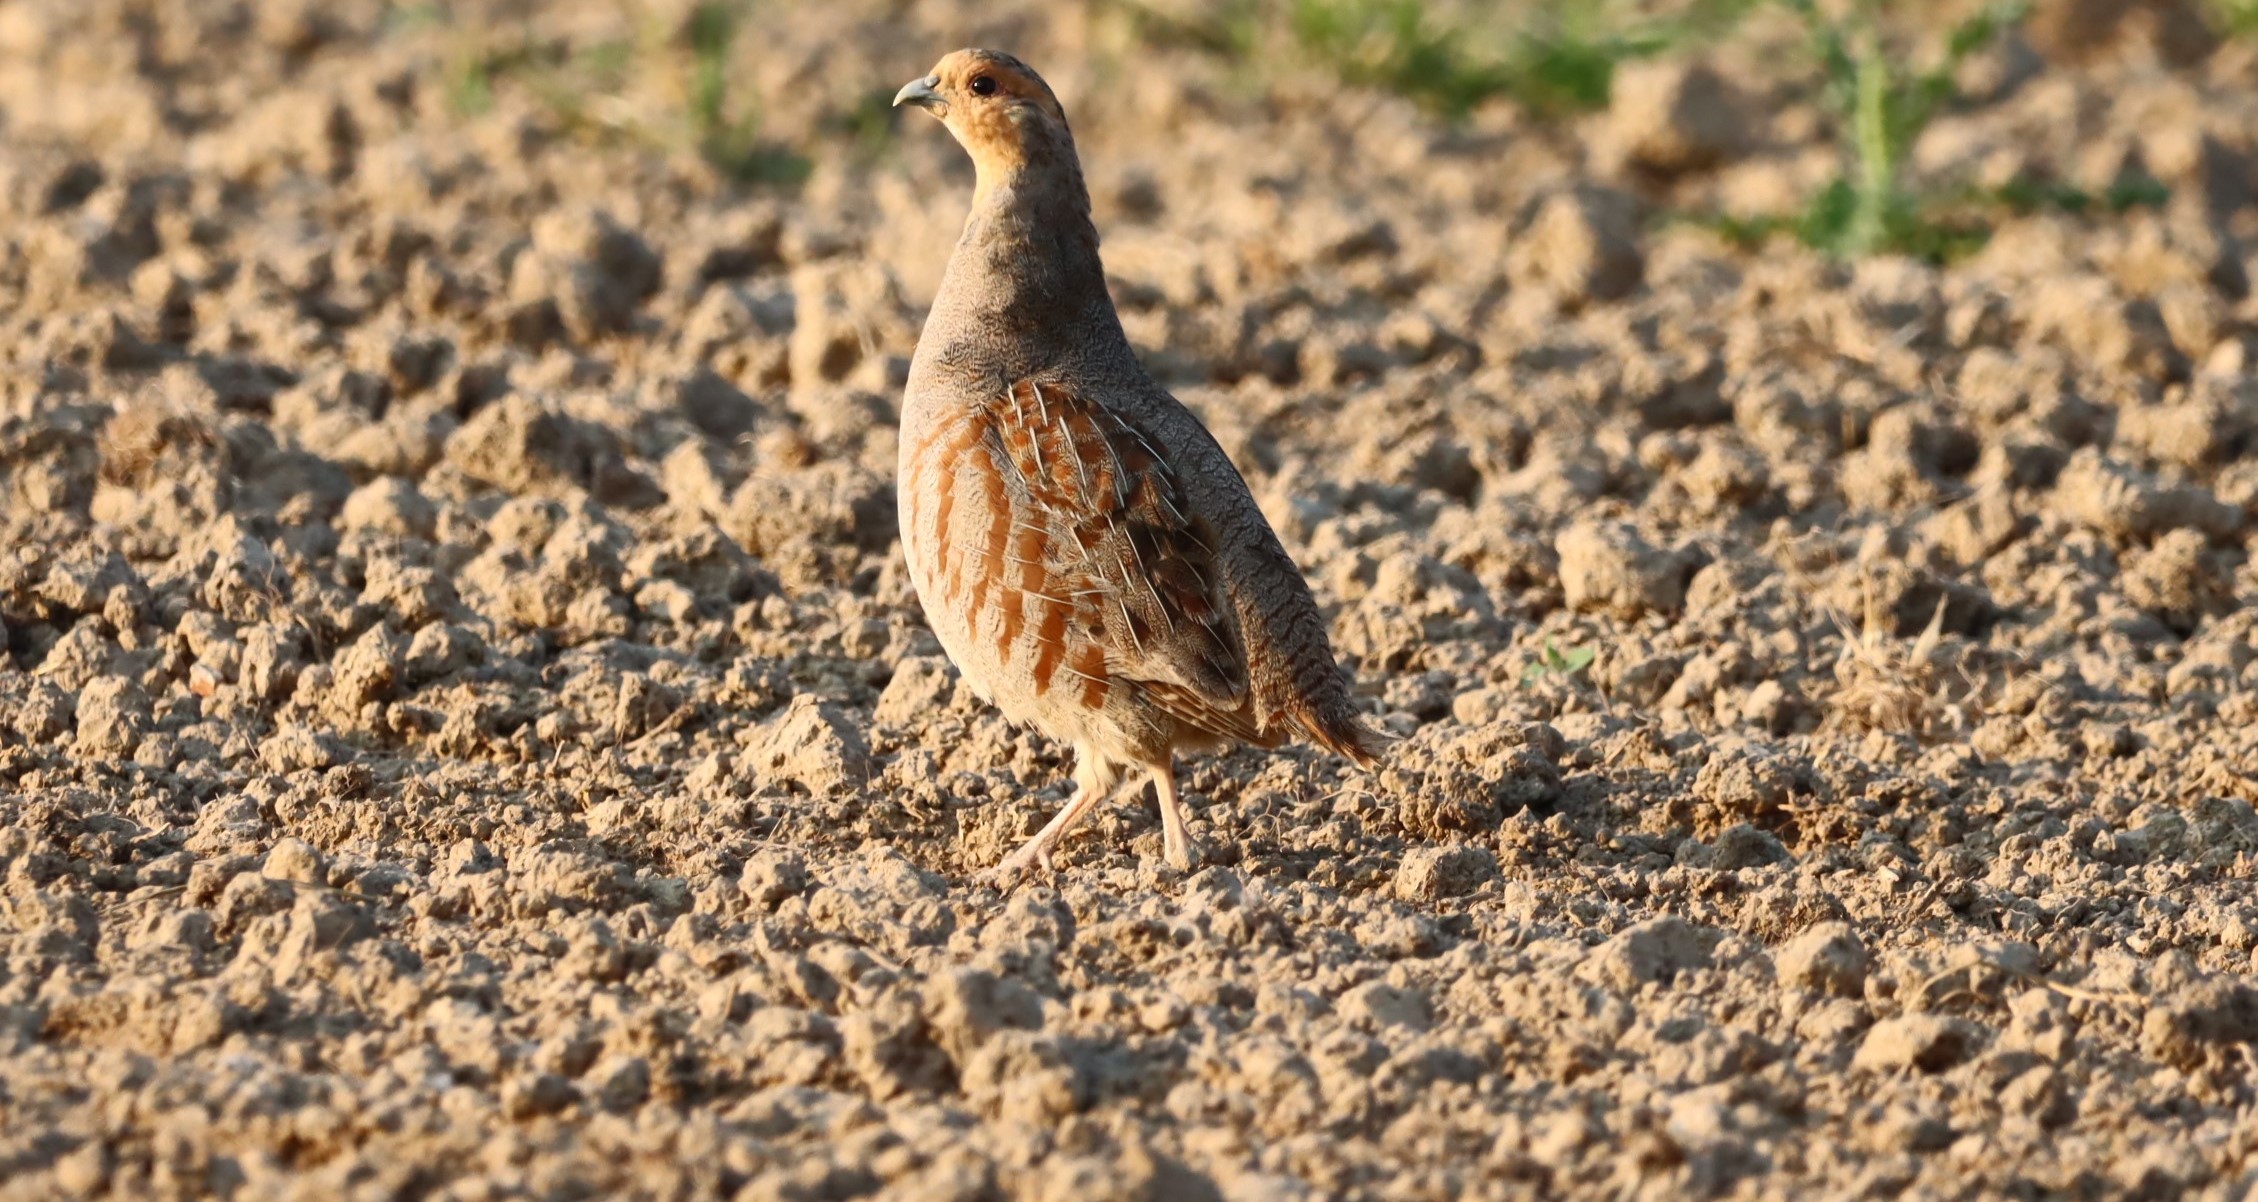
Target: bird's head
[{"x": 1000, "y": 111}]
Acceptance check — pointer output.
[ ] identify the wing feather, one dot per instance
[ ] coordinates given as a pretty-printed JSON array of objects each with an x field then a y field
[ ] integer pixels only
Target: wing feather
[{"x": 1121, "y": 533}]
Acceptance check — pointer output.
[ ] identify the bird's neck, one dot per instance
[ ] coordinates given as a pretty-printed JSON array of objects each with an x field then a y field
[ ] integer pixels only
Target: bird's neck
[{"x": 1026, "y": 266}]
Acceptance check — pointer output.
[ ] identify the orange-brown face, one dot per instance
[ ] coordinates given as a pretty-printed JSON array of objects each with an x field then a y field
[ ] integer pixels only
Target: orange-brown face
[{"x": 998, "y": 108}]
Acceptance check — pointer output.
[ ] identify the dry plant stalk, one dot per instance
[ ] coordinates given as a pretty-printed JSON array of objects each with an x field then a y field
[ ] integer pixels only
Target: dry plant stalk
[{"x": 1892, "y": 686}]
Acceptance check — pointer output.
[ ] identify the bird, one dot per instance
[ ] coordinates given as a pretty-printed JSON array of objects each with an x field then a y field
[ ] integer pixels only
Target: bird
[{"x": 1084, "y": 550}]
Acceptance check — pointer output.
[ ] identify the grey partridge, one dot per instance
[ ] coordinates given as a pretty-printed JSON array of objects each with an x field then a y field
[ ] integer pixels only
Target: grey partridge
[{"x": 1084, "y": 550}]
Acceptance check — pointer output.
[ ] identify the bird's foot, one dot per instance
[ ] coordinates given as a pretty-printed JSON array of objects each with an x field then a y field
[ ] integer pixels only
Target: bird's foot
[
  {"x": 1182, "y": 851},
  {"x": 1032, "y": 858}
]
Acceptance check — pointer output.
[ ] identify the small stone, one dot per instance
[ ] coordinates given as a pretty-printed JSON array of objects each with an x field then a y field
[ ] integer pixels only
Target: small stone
[
  {"x": 1905, "y": 1128},
  {"x": 841, "y": 310},
  {"x": 2176, "y": 32},
  {"x": 298, "y": 748},
  {"x": 1833, "y": 1025},
  {"x": 46, "y": 713},
  {"x": 202, "y": 1020},
  {"x": 772, "y": 513},
  {"x": 1609, "y": 566},
  {"x": 2041, "y": 1093},
  {"x": 1377, "y": 1005},
  {"x": 83, "y": 1173},
  {"x": 321, "y": 923},
  {"x": 814, "y": 745},
  {"x": 2179, "y": 581},
  {"x": 369, "y": 669},
  {"x": 1827, "y": 958},
  {"x": 2086, "y": 317},
  {"x": 771, "y": 876},
  {"x": 2128, "y": 504},
  {"x": 716, "y": 406},
  {"x": 1555, "y": 1139},
  {"x": 2182, "y": 1028},
  {"x": 528, "y": 448},
  {"x": 922, "y": 687},
  {"x": 1654, "y": 950},
  {"x": 1138, "y": 1174},
  {"x": 250, "y": 895},
  {"x": 890, "y": 1049},
  {"x": 1666, "y": 117},
  {"x": 389, "y": 505},
  {"x": 1579, "y": 245},
  {"x": 81, "y": 581},
  {"x": 54, "y": 924},
  {"x": 297, "y": 860},
  {"x": 1928, "y": 1042},
  {"x": 967, "y": 1007},
  {"x": 1434, "y": 873},
  {"x": 593, "y": 952},
  {"x": 440, "y": 650},
  {"x": 592, "y": 270},
  {"x": 537, "y": 1095},
  {"x": 1026, "y": 1076},
  {"x": 1743, "y": 846},
  {"x": 622, "y": 1082},
  {"x": 270, "y": 661},
  {"x": 113, "y": 715}
]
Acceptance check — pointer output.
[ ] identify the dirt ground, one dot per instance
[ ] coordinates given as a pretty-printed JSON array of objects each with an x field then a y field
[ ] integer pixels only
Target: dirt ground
[{"x": 465, "y": 731}]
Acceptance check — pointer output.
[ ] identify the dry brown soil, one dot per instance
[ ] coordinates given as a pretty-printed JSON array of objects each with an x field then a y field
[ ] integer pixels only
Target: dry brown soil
[{"x": 465, "y": 732}]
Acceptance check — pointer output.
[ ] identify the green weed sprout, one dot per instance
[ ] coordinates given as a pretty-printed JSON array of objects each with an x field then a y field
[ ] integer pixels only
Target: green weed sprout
[
  {"x": 1884, "y": 107},
  {"x": 1555, "y": 662}
]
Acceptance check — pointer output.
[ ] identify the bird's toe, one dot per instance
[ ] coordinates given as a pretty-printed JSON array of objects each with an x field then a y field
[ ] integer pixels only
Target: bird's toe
[{"x": 1017, "y": 868}]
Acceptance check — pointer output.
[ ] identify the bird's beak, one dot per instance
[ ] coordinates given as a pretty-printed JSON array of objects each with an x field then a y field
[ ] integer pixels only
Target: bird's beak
[{"x": 920, "y": 93}]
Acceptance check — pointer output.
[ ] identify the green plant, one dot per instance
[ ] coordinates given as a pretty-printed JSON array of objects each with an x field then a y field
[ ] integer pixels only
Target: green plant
[
  {"x": 575, "y": 89},
  {"x": 1561, "y": 57},
  {"x": 1883, "y": 107},
  {"x": 1555, "y": 662},
  {"x": 404, "y": 18},
  {"x": 2237, "y": 18},
  {"x": 730, "y": 141},
  {"x": 603, "y": 90},
  {"x": 1551, "y": 56},
  {"x": 1227, "y": 29},
  {"x": 1391, "y": 44},
  {"x": 868, "y": 126},
  {"x": 470, "y": 71},
  {"x": 2127, "y": 193}
]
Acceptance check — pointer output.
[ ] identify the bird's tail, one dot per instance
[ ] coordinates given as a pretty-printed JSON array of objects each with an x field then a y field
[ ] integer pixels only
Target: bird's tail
[{"x": 1341, "y": 730}]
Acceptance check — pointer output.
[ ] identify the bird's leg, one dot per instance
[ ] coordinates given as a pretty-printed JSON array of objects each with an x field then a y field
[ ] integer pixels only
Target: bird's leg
[
  {"x": 1176, "y": 837},
  {"x": 1094, "y": 780}
]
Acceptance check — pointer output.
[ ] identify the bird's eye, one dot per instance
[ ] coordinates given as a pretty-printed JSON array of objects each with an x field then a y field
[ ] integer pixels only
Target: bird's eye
[{"x": 983, "y": 86}]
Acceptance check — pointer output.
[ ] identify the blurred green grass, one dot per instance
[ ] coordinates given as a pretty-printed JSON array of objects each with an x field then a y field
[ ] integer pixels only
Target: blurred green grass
[
  {"x": 1557, "y": 58},
  {"x": 1881, "y": 72},
  {"x": 1550, "y": 56},
  {"x": 662, "y": 86},
  {"x": 2236, "y": 18},
  {"x": 1881, "y": 103}
]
